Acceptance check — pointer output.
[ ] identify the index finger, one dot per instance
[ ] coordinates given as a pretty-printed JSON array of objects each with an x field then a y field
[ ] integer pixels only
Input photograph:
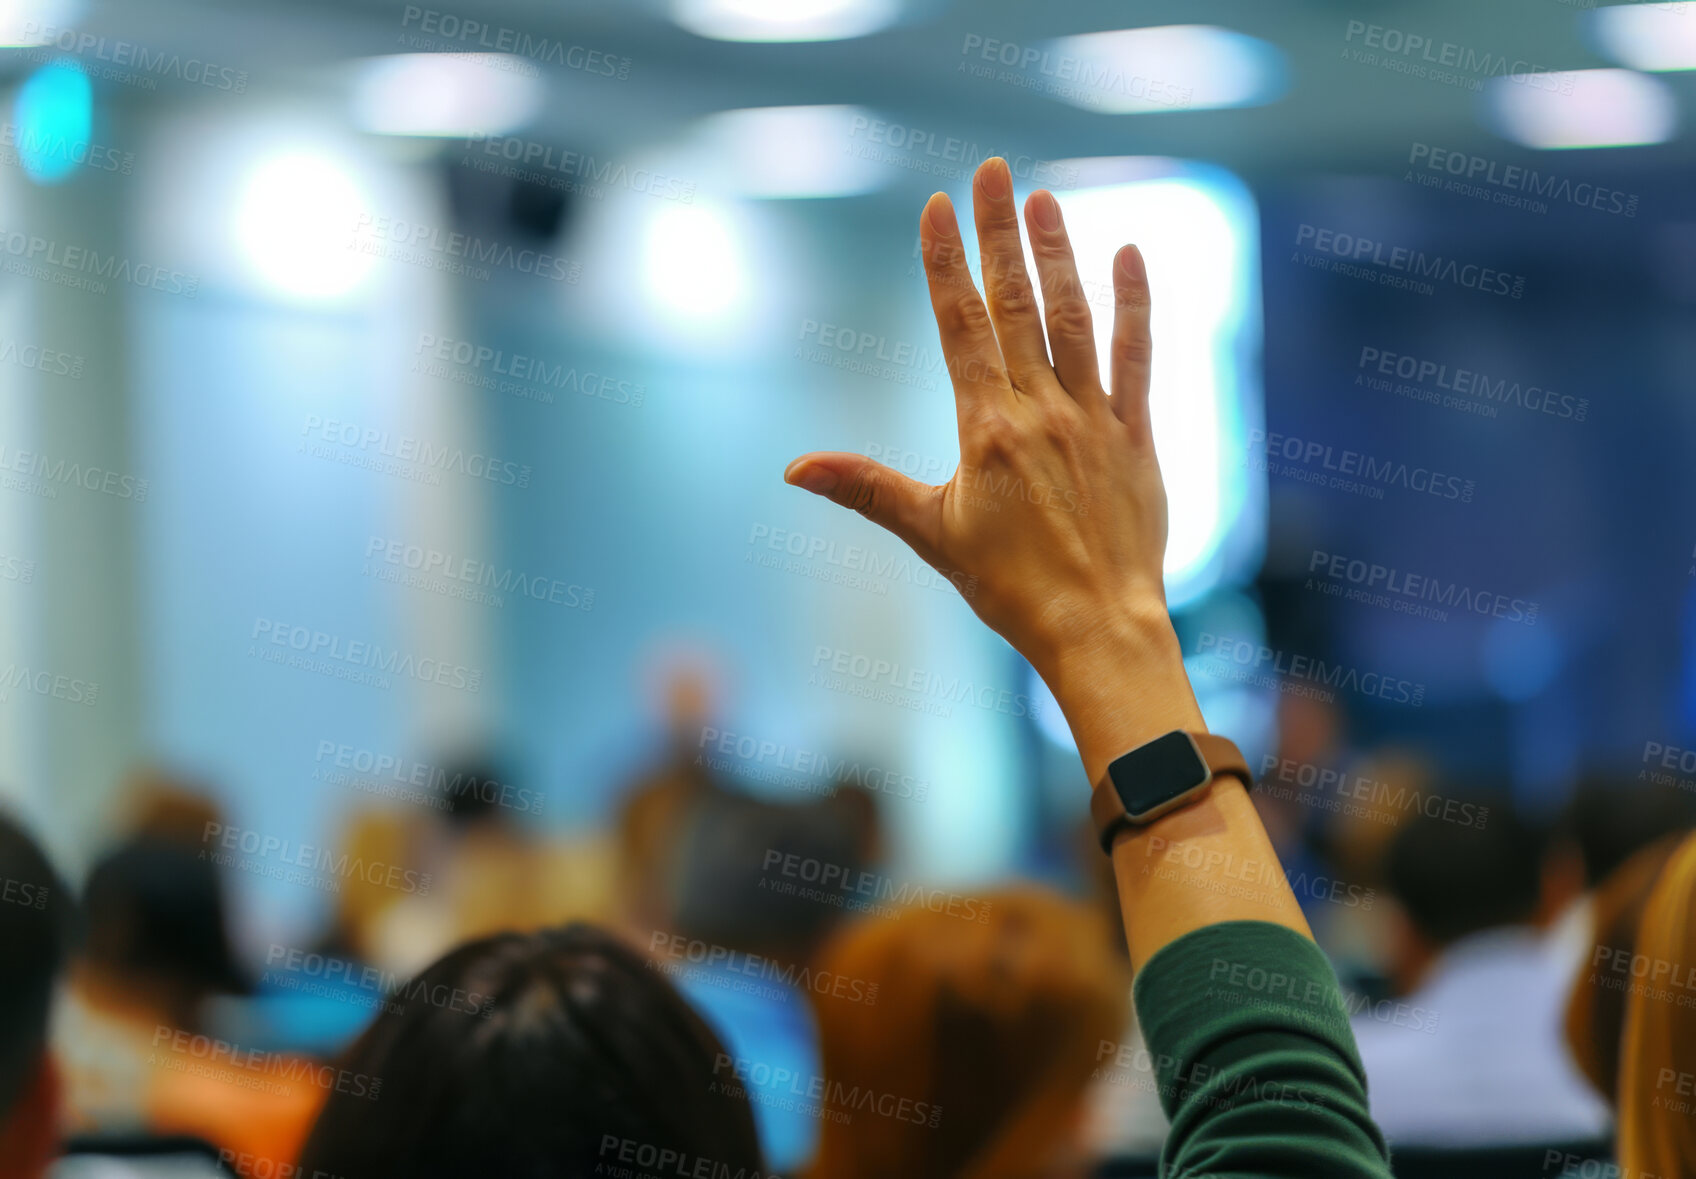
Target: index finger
[{"x": 968, "y": 336}]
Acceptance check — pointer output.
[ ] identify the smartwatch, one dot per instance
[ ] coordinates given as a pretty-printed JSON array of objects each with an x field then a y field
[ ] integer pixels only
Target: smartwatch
[{"x": 1161, "y": 776}]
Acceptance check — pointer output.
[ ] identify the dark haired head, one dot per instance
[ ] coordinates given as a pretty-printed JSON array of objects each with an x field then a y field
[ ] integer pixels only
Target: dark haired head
[
  {"x": 1612, "y": 817},
  {"x": 35, "y": 929},
  {"x": 156, "y": 917},
  {"x": 1454, "y": 879},
  {"x": 550, "y": 1055}
]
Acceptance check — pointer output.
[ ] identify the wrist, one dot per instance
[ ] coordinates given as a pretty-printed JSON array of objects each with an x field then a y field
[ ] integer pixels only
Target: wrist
[{"x": 1120, "y": 683}]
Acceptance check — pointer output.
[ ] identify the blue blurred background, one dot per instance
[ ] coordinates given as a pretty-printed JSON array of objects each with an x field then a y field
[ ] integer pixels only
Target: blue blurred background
[{"x": 336, "y": 292}]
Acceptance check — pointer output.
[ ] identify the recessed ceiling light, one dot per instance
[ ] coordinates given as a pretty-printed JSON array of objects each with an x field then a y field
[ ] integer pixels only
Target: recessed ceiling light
[
  {"x": 790, "y": 151},
  {"x": 446, "y": 95},
  {"x": 1652, "y": 37},
  {"x": 784, "y": 20},
  {"x": 1168, "y": 68},
  {"x": 1581, "y": 108}
]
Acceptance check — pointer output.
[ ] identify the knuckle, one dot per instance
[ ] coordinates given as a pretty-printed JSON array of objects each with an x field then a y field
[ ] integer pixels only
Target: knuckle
[
  {"x": 1132, "y": 348},
  {"x": 964, "y": 316},
  {"x": 1013, "y": 295},
  {"x": 1069, "y": 319},
  {"x": 863, "y": 493}
]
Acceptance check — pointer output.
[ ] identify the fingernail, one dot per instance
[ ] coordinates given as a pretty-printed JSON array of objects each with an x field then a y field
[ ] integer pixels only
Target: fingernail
[
  {"x": 941, "y": 214},
  {"x": 997, "y": 181},
  {"x": 1131, "y": 264},
  {"x": 811, "y": 477},
  {"x": 1045, "y": 210}
]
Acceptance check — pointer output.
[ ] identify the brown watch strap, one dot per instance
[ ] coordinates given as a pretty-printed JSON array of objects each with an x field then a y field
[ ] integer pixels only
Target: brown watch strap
[{"x": 1222, "y": 757}]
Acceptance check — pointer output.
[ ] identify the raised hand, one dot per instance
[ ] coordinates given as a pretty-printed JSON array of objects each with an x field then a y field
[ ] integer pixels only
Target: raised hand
[{"x": 1057, "y": 510}]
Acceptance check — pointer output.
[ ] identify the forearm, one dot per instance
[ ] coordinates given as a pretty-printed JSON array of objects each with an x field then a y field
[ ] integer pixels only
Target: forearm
[{"x": 1208, "y": 862}]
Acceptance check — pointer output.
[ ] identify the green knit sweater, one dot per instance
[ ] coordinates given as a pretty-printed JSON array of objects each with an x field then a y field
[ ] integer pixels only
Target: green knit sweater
[{"x": 1255, "y": 1062}]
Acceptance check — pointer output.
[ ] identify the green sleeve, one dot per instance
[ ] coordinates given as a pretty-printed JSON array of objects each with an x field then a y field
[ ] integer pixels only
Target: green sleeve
[{"x": 1256, "y": 1065}]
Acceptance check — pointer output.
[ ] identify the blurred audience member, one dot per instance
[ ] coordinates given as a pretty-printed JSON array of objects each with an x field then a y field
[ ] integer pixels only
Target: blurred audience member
[
  {"x": 1657, "y": 1076},
  {"x": 978, "y": 1051},
  {"x": 761, "y": 885},
  {"x": 1481, "y": 1061},
  {"x": 559, "y": 1053},
  {"x": 482, "y": 865},
  {"x": 132, "y": 1033},
  {"x": 1611, "y": 818},
  {"x": 1595, "y": 1013},
  {"x": 1608, "y": 820},
  {"x": 35, "y": 930}
]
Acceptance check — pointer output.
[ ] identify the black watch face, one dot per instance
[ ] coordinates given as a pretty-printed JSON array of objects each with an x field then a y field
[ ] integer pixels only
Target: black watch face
[{"x": 1157, "y": 773}]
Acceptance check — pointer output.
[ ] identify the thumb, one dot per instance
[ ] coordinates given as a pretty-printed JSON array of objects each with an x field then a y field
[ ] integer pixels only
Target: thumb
[{"x": 906, "y": 507}]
